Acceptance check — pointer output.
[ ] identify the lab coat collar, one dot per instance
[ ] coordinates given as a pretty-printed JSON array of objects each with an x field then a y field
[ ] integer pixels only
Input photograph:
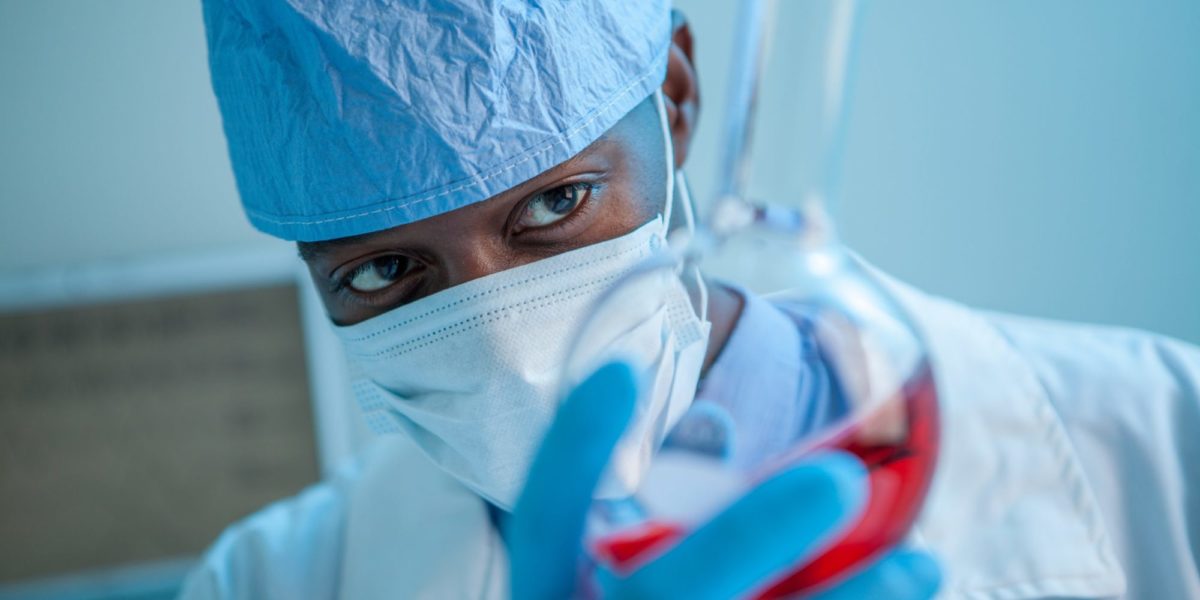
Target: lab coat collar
[
  {"x": 412, "y": 531},
  {"x": 1009, "y": 512}
]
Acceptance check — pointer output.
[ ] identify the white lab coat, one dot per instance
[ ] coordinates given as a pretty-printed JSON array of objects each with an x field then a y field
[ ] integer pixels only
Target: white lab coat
[{"x": 1070, "y": 468}]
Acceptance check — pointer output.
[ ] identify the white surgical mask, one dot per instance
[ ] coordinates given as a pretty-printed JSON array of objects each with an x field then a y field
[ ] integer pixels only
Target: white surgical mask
[{"x": 472, "y": 373}]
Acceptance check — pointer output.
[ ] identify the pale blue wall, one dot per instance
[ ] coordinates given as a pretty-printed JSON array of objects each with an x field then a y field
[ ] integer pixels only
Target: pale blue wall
[
  {"x": 1034, "y": 156},
  {"x": 110, "y": 141}
]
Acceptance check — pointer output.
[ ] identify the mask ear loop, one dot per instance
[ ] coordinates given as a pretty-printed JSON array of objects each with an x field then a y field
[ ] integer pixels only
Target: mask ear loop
[
  {"x": 678, "y": 193},
  {"x": 669, "y": 151},
  {"x": 683, "y": 198}
]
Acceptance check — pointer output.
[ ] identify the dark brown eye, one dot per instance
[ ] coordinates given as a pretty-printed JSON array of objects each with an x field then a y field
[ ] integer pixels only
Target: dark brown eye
[
  {"x": 552, "y": 206},
  {"x": 377, "y": 274}
]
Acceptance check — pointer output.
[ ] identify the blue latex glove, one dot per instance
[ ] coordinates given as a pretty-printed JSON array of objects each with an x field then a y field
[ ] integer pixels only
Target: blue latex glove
[{"x": 782, "y": 521}]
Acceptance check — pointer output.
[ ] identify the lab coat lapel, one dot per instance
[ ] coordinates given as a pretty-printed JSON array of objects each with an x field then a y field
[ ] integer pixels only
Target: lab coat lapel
[
  {"x": 412, "y": 531},
  {"x": 1009, "y": 512}
]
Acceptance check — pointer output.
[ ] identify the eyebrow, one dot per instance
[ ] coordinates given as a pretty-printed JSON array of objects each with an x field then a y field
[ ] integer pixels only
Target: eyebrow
[{"x": 314, "y": 250}]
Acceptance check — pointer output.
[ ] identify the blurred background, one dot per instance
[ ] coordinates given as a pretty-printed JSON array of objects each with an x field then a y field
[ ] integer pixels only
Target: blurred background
[{"x": 1032, "y": 157}]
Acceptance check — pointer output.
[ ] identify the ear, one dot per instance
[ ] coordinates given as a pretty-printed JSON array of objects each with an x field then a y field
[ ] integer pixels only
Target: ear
[{"x": 681, "y": 90}]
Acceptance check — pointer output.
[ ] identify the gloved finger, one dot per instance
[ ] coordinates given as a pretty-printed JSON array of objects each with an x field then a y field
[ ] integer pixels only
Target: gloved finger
[
  {"x": 776, "y": 525},
  {"x": 901, "y": 575},
  {"x": 546, "y": 527}
]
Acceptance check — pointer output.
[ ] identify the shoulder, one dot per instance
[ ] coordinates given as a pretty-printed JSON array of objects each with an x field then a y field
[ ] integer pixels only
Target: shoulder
[
  {"x": 1130, "y": 403},
  {"x": 1120, "y": 388},
  {"x": 1088, "y": 361},
  {"x": 1084, "y": 370},
  {"x": 289, "y": 549},
  {"x": 1079, "y": 433}
]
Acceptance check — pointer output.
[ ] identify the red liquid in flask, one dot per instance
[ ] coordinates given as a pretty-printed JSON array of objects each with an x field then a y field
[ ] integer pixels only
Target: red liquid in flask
[{"x": 897, "y": 441}]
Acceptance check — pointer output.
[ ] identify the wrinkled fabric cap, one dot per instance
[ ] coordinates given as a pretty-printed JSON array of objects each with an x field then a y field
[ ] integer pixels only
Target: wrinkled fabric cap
[{"x": 349, "y": 117}]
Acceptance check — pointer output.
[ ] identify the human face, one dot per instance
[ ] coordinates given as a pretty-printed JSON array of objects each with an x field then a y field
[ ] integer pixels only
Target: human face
[{"x": 610, "y": 188}]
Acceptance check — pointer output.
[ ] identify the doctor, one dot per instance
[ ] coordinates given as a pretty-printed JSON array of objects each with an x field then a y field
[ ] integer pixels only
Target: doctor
[{"x": 462, "y": 179}]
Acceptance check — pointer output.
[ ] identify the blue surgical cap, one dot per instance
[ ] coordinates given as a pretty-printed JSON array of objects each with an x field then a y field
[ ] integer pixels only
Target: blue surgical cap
[{"x": 347, "y": 117}]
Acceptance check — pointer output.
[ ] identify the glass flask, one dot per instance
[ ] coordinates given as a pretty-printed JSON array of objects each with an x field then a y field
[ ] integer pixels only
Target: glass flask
[
  {"x": 869, "y": 379},
  {"x": 862, "y": 372}
]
